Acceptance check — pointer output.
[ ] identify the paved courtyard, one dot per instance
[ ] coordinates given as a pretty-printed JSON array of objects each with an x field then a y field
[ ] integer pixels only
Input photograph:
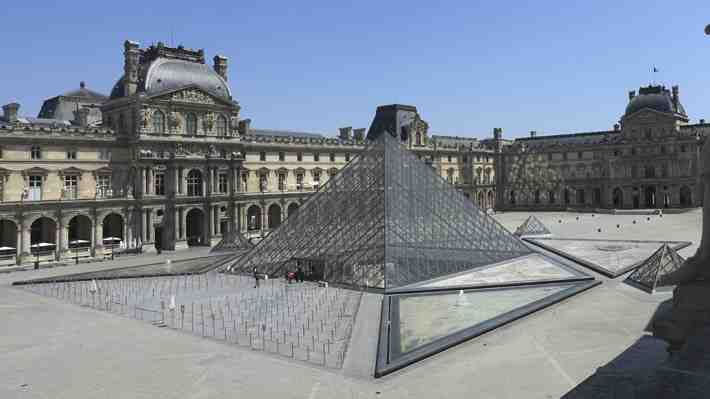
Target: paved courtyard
[{"x": 51, "y": 348}]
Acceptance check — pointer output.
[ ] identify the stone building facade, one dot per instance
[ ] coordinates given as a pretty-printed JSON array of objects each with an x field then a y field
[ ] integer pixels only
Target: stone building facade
[
  {"x": 167, "y": 159},
  {"x": 650, "y": 159}
]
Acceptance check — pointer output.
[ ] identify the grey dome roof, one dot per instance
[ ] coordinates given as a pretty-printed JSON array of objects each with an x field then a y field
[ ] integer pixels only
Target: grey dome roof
[
  {"x": 658, "y": 100},
  {"x": 168, "y": 74}
]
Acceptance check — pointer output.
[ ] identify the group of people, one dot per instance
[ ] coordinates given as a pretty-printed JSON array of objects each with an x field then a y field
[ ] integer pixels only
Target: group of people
[{"x": 298, "y": 276}]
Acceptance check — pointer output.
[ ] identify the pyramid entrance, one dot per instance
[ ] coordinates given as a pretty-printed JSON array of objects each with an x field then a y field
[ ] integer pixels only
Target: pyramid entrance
[{"x": 385, "y": 221}]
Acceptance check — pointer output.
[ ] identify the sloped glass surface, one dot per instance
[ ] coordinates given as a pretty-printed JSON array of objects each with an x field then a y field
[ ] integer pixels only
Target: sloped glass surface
[
  {"x": 384, "y": 221},
  {"x": 528, "y": 268},
  {"x": 610, "y": 257},
  {"x": 655, "y": 271},
  {"x": 428, "y": 317}
]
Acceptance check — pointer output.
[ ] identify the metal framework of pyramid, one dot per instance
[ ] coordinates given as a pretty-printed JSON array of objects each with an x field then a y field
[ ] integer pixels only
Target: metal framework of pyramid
[
  {"x": 386, "y": 220},
  {"x": 532, "y": 227},
  {"x": 232, "y": 241},
  {"x": 653, "y": 272}
]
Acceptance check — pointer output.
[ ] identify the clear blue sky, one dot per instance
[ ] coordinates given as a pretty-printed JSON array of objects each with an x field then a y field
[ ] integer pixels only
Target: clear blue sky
[{"x": 550, "y": 66}]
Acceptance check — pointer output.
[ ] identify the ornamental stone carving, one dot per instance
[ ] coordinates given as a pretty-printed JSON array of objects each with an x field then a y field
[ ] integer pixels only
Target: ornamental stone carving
[
  {"x": 193, "y": 96},
  {"x": 144, "y": 118}
]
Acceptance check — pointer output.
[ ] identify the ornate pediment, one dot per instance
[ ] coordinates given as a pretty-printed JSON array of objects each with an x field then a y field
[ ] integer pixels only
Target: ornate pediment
[{"x": 193, "y": 96}]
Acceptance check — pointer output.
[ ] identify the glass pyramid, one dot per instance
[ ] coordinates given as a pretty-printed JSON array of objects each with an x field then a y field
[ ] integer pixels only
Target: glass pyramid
[
  {"x": 232, "y": 241},
  {"x": 385, "y": 220},
  {"x": 653, "y": 272},
  {"x": 532, "y": 227}
]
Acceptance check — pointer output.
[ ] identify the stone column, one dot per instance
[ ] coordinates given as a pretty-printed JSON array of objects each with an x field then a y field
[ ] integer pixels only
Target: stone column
[
  {"x": 19, "y": 245},
  {"x": 183, "y": 181},
  {"x": 94, "y": 238},
  {"x": 263, "y": 219},
  {"x": 143, "y": 182},
  {"x": 205, "y": 177},
  {"x": 211, "y": 218},
  {"x": 26, "y": 240},
  {"x": 61, "y": 239},
  {"x": 175, "y": 172}
]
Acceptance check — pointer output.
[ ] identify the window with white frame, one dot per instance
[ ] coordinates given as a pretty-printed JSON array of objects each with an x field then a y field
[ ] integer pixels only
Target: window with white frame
[
  {"x": 71, "y": 185},
  {"x": 71, "y": 154},
  {"x": 103, "y": 186},
  {"x": 34, "y": 191},
  {"x": 316, "y": 179},
  {"x": 282, "y": 181}
]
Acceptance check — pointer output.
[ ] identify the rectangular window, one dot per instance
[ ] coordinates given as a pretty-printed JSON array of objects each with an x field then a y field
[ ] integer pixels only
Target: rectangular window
[
  {"x": 282, "y": 182},
  {"x": 347, "y": 157},
  {"x": 71, "y": 154},
  {"x": 282, "y": 156},
  {"x": 0, "y": 152},
  {"x": 159, "y": 184},
  {"x": 245, "y": 179},
  {"x": 263, "y": 182},
  {"x": 34, "y": 192},
  {"x": 262, "y": 156},
  {"x": 580, "y": 155},
  {"x": 316, "y": 157},
  {"x": 70, "y": 187},
  {"x": 316, "y": 180},
  {"x": 299, "y": 156},
  {"x": 448, "y": 158},
  {"x": 103, "y": 186},
  {"x": 222, "y": 183},
  {"x": 35, "y": 152},
  {"x": 299, "y": 181},
  {"x": 105, "y": 154},
  {"x": 332, "y": 157}
]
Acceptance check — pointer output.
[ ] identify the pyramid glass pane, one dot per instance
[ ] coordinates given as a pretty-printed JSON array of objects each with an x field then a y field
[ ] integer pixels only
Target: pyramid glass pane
[
  {"x": 425, "y": 318},
  {"x": 609, "y": 257},
  {"x": 232, "y": 241},
  {"x": 655, "y": 271},
  {"x": 419, "y": 324},
  {"x": 529, "y": 268},
  {"x": 532, "y": 227},
  {"x": 384, "y": 221}
]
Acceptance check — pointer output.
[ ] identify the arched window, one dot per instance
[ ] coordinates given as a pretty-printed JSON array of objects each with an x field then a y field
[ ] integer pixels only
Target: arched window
[
  {"x": 158, "y": 122},
  {"x": 194, "y": 183},
  {"x": 221, "y": 125},
  {"x": 191, "y": 124},
  {"x": 419, "y": 138}
]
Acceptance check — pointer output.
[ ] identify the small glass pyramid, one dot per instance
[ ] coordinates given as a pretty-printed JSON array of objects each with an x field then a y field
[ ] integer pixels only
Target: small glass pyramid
[{"x": 653, "y": 272}]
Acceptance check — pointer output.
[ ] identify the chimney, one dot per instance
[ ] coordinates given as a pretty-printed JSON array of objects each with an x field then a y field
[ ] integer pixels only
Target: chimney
[
  {"x": 616, "y": 127},
  {"x": 674, "y": 90},
  {"x": 220, "y": 66},
  {"x": 632, "y": 94},
  {"x": 131, "y": 57},
  {"x": 497, "y": 133},
  {"x": 81, "y": 116},
  {"x": 244, "y": 127},
  {"x": 533, "y": 134},
  {"x": 359, "y": 134},
  {"x": 346, "y": 133},
  {"x": 10, "y": 111}
]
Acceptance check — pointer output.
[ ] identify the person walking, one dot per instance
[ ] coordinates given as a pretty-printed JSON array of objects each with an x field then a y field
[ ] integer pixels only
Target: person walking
[
  {"x": 256, "y": 278},
  {"x": 299, "y": 275}
]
